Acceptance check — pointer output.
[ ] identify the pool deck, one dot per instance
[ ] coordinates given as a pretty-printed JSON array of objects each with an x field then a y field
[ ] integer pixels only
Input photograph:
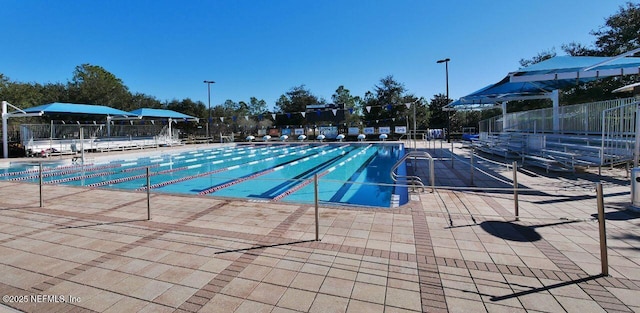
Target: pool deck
[{"x": 451, "y": 250}]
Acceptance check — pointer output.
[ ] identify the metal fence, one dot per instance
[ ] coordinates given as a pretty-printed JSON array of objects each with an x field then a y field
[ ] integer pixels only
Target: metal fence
[
  {"x": 70, "y": 138},
  {"x": 589, "y": 134},
  {"x": 583, "y": 118}
]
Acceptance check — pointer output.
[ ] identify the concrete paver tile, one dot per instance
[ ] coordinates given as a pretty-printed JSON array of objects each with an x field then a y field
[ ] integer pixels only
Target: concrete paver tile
[
  {"x": 337, "y": 286},
  {"x": 221, "y": 303},
  {"x": 295, "y": 299},
  {"x": 327, "y": 303},
  {"x": 248, "y": 306},
  {"x": 175, "y": 296},
  {"x": 239, "y": 287},
  {"x": 369, "y": 292},
  {"x": 356, "y": 306},
  {"x": 401, "y": 298},
  {"x": 267, "y": 293},
  {"x": 280, "y": 277},
  {"x": 573, "y": 305}
]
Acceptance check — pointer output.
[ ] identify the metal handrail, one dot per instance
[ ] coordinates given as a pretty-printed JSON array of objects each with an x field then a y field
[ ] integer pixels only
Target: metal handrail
[{"x": 411, "y": 179}]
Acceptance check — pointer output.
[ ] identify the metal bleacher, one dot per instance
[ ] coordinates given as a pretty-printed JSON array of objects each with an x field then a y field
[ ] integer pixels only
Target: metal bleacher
[
  {"x": 592, "y": 134},
  {"x": 65, "y": 139}
]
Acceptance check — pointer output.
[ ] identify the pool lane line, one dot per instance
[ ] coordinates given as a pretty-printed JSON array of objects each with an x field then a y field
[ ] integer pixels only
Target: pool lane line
[
  {"x": 308, "y": 181},
  {"x": 291, "y": 182},
  {"x": 84, "y": 169},
  {"x": 258, "y": 174},
  {"x": 130, "y": 178},
  {"x": 51, "y": 173},
  {"x": 45, "y": 169},
  {"x": 178, "y": 180},
  {"x": 68, "y": 179},
  {"x": 345, "y": 187},
  {"x": 76, "y": 168}
]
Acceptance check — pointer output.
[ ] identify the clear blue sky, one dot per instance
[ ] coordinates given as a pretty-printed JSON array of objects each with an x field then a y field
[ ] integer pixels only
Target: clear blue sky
[{"x": 264, "y": 48}]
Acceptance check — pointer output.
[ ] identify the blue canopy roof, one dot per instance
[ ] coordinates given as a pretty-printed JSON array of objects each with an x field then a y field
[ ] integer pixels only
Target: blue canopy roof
[
  {"x": 539, "y": 80},
  {"x": 74, "y": 108},
  {"x": 160, "y": 113},
  {"x": 580, "y": 67}
]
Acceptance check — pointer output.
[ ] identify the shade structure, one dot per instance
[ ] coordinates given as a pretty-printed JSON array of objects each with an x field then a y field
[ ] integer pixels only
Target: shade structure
[
  {"x": 538, "y": 81},
  {"x": 577, "y": 68},
  {"x": 505, "y": 90},
  {"x": 75, "y": 108},
  {"x": 635, "y": 88},
  {"x": 161, "y": 113}
]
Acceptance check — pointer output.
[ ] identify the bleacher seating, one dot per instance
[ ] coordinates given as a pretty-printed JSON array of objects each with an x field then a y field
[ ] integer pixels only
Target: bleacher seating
[{"x": 554, "y": 152}]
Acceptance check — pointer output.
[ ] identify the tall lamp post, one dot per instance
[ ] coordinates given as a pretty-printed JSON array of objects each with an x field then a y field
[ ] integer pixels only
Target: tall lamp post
[
  {"x": 446, "y": 66},
  {"x": 209, "y": 82}
]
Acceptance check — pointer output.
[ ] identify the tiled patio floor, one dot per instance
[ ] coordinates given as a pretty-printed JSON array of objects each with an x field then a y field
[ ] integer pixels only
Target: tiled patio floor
[{"x": 453, "y": 250}]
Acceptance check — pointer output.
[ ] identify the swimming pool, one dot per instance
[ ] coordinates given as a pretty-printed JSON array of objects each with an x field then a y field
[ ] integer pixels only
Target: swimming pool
[{"x": 354, "y": 174}]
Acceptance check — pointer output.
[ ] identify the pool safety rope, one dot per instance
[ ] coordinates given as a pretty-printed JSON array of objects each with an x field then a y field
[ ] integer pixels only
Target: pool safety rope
[
  {"x": 308, "y": 181},
  {"x": 239, "y": 180},
  {"x": 44, "y": 170},
  {"x": 114, "y": 181},
  {"x": 130, "y": 178},
  {"x": 178, "y": 180},
  {"x": 72, "y": 170},
  {"x": 68, "y": 179}
]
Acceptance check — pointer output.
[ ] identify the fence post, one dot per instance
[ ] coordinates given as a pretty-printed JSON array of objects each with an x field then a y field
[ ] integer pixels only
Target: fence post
[
  {"x": 452, "y": 155},
  {"x": 148, "y": 195},
  {"x": 317, "y": 216},
  {"x": 40, "y": 182},
  {"x": 604, "y": 260},
  {"x": 471, "y": 164},
  {"x": 432, "y": 175},
  {"x": 515, "y": 190}
]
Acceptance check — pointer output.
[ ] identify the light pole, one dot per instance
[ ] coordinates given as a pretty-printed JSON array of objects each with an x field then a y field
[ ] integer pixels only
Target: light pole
[
  {"x": 209, "y": 82},
  {"x": 446, "y": 66}
]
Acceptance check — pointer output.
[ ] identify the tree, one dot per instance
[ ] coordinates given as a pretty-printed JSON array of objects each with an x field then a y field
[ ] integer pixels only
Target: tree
[
  {"x": 140, "y": 100},
  {"x": 541, "y": 56},
  {"x": 294, "y": 101},
  {"x": 386, "y": 102},
  {"x": 93, "y": 84},
  {"x": 438, "y": 117},
  {"x": 351, "y": 104},
  {"x": 621, "y": 32},
  {"x": 257, "y": 106},
  {"x": 577, "y": 49}
]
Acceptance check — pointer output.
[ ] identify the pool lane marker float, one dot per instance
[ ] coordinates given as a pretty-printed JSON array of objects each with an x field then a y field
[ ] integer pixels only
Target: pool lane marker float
[
  {"x": 55, "y": 171},
  {"x": 74, "y": 168},
  {"x": 46, "y": 169},
  {"x": 245, "y": 178},
  {"x": 309, "y": 181},
  {"x": 178, "y": 180},
  {"x": 68, "y": 179}
]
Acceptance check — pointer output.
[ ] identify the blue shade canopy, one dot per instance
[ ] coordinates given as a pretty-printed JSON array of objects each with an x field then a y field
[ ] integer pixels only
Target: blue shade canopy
[
  {"x": 159, "y": 113},
  {"x": 74, "y": 108},
  {"x": 576, "y": 68},
  {"x": 507, "y": 91},
  {"x": 537, "y": 81}
]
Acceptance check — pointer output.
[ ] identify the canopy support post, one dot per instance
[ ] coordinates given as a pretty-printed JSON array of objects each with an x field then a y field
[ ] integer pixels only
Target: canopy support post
[
  {"x": 504, "y": 115},
  {"x": 555, "y": 97},
  {"x": 5, "y": 136},
  {"x": 170, "y": 133}
]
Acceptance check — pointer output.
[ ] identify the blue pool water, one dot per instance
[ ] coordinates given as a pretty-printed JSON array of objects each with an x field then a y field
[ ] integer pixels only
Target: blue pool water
[{"x": 355, "y": 174}]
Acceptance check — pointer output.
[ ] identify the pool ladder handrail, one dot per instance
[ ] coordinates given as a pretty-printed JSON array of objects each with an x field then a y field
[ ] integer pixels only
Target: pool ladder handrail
[{"x": 411, "y": 179}]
